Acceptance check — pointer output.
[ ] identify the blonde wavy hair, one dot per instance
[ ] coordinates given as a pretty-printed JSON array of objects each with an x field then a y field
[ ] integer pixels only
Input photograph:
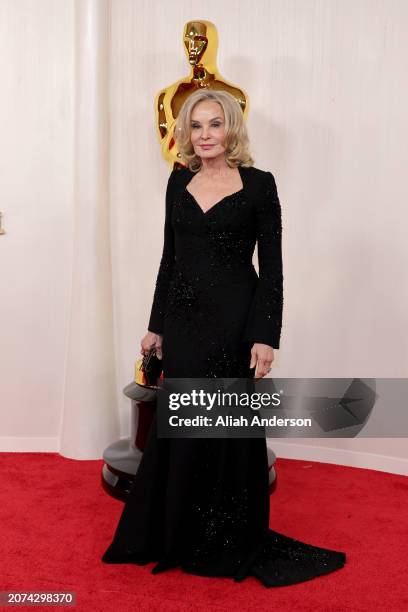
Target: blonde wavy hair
[{"x": 236, "y": 135}]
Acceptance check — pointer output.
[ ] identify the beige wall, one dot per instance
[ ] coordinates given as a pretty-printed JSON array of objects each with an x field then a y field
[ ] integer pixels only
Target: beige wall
[{"x": 327, "y": 117}]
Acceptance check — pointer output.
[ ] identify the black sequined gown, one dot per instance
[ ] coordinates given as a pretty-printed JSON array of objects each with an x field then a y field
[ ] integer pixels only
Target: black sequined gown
[{"x": 203, "y": 504}]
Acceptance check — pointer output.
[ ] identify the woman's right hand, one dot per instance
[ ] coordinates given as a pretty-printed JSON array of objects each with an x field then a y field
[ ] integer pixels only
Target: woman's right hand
[{"x": 151, "y": 340}]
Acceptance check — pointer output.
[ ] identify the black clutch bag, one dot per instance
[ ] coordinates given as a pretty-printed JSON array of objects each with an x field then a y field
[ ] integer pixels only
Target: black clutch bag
[{"x": 152, "y": 368}]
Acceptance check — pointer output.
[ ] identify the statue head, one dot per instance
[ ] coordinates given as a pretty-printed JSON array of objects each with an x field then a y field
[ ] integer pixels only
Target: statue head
[{"x": 201, "y": 42}]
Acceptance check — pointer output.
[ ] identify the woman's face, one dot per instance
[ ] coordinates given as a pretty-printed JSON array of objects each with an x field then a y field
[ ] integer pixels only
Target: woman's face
[{"x": 208, "y": 129}]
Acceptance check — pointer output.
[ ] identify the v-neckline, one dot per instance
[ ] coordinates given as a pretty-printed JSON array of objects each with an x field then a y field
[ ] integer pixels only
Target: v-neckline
[{"x": 205, "y": 212}]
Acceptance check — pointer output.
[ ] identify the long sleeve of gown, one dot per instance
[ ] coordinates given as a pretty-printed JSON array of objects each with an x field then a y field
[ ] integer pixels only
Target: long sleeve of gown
[
  {"x": 264, "y": 322},
  {"x": 166, "y": 266}
]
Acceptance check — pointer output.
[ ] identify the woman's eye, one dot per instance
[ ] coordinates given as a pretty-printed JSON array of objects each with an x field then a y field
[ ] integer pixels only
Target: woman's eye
[{"x": 213, "y": 125}]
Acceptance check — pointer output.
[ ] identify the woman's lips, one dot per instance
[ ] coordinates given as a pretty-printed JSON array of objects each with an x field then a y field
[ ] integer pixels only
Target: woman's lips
[{"x": 206, "y": 146}]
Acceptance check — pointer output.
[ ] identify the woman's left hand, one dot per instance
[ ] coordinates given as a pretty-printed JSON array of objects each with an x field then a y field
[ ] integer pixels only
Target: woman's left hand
[{"x": 262, "y": 356}]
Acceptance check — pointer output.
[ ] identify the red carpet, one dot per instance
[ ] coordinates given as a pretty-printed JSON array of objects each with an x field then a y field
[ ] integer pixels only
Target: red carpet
[{"x": 57, "y": 521}]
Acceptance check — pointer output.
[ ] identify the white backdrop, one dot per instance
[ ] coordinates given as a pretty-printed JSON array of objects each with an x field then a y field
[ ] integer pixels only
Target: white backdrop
[{"x": 82, "y": 195}]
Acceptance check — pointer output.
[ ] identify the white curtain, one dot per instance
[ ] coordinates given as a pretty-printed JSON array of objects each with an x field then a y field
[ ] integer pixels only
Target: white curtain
[{"x": 89, "y": 417}]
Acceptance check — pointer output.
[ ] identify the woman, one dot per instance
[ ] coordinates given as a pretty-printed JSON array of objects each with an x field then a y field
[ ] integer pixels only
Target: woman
[{"x": 203, "y": 504}]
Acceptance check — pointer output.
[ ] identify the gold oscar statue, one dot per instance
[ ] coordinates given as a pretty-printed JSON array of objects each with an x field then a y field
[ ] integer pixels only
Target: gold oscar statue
[{"x": 200, "y": 40}]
